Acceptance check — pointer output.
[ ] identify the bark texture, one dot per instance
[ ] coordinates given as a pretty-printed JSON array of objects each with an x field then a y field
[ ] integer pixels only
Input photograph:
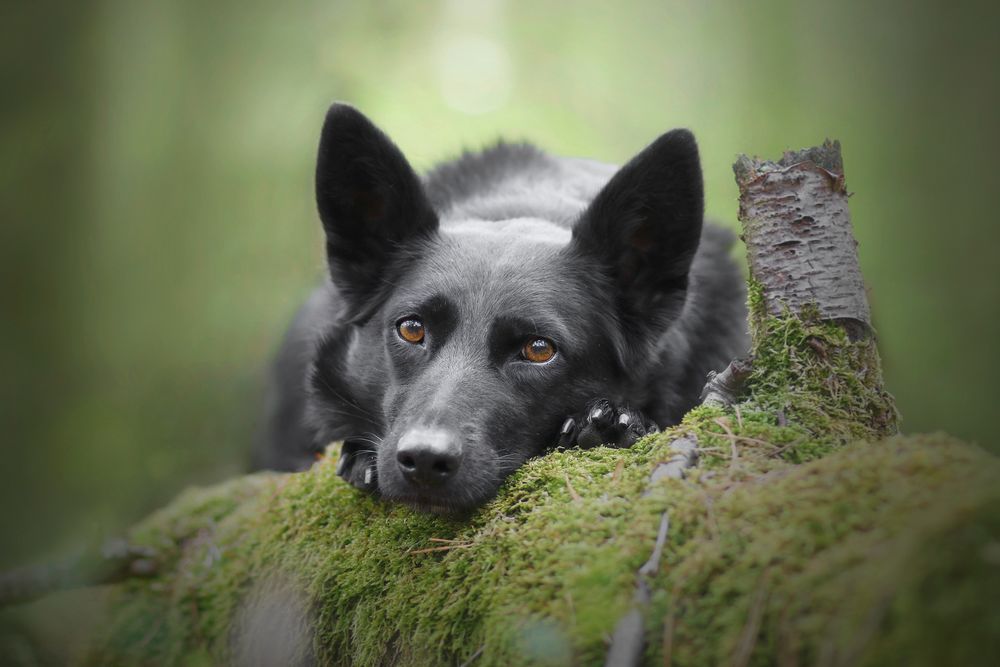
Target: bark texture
[{"x": 797, "y": 229}]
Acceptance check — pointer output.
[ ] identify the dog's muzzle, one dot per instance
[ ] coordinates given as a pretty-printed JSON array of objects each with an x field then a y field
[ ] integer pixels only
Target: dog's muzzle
[{"x": 429, "y": 457}]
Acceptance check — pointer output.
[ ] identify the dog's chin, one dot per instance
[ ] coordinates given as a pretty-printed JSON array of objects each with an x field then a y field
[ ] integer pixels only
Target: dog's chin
[
  {"x": 431, "y": 508},
  {"x": 430, "y": 503}
]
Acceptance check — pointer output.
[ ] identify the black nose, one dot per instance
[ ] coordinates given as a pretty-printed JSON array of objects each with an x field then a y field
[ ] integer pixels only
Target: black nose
[{"x": 429, "y": 457}]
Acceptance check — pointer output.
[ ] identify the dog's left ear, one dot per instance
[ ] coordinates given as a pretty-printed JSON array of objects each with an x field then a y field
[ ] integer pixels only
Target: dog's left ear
[
  {"x": 643, "y": 227},
  {"x": 370, "y": 201}
]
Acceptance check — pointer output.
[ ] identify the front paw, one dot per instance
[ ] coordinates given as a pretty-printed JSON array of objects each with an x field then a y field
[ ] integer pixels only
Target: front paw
[
  {"x": 604, "y": 423},
  {"x": 357, "y": 465}
]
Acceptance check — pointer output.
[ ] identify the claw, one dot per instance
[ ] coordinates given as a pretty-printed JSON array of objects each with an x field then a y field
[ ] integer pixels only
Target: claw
[
  {"x": 567, "y": 433},
  {"x": 605, "y": 422}
]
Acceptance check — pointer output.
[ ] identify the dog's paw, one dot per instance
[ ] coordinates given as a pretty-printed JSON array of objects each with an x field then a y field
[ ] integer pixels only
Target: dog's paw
[
  {"x": 357, "y": 465},
  {"x": 604, "y": 423}
]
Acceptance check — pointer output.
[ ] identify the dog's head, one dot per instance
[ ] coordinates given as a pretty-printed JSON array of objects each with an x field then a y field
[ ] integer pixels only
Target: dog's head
[{"x": 471, "y": 343}]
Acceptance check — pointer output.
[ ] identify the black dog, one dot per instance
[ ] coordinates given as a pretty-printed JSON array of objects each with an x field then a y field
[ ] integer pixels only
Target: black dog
[{"x": 509, "y": 302}]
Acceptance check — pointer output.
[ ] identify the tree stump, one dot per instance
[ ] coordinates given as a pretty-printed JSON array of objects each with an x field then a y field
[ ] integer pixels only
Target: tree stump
[
  {"x": 816, "y": 362},
  {"x": 800, "y": 243}
]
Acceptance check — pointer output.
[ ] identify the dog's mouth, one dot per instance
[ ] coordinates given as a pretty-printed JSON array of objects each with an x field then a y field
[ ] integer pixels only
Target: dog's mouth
[
  {"x": 430, "y": 504},
  {"x": 430, "y": 508}
]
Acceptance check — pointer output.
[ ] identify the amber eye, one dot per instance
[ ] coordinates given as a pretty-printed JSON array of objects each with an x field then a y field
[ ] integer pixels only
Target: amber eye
[
  {"x": 538, "y": 350},
  {"x": 411, "y": 330}
]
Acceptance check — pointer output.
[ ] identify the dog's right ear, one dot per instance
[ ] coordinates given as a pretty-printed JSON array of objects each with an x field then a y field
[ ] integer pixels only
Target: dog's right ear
[
  {"x": 370, "y": 201},
  {"x": 642, "y": 229}
]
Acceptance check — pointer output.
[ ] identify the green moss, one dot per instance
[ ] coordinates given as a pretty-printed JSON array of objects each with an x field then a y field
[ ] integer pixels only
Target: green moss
[
  {"x": 756, "y": 307},
  {"x": 354, "y": 553},
  {"x": 545, "y": 572},
  {"x": 808, "y": 373},
  {"x": 849, "y": 560}
]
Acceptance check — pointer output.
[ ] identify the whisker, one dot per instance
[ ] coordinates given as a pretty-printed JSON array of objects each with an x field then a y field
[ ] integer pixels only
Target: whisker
[
  {"x": 329, "y": 410},
  {"x": 362, "y": 412},
  {"x": 354, "y": 452}
]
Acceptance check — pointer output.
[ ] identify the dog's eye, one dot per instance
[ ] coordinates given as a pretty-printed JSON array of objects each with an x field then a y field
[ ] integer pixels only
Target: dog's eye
[
  {"x": 538, "y": 350},
  {"x": 411, "y": 330}
]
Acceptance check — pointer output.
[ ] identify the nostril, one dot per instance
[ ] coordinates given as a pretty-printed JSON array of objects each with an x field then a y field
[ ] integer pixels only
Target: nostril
[
  {"x": 442, "y": 466},
  {"x": 407, "y": 461}
]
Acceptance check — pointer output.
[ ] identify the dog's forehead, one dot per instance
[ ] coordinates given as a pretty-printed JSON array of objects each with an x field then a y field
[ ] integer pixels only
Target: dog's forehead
[
  {"x": 496, "y": 264},
  {"x": 524, "y": 232}
]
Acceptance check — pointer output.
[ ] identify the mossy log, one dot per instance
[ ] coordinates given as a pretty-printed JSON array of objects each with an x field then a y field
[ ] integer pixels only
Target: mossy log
[
  {"x": 881, "y": 553},
  {"x": 807, "y": 534}
]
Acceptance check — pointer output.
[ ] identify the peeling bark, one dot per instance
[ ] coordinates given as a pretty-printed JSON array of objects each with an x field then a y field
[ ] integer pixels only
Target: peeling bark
[{"x": 797, "y": 229}]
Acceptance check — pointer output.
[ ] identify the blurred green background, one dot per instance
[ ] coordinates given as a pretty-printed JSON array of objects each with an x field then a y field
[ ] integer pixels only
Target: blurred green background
[{"x": 158, "y": 226}]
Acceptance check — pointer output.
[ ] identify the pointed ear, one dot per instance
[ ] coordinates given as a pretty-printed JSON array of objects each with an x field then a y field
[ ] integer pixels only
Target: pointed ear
[
  {"x": 644, "y": 226},
  {"x": 370, "y": 201}
]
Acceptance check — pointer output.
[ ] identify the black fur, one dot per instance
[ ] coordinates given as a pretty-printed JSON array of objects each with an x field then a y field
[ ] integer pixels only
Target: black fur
[{"x": 614, "y": 266}]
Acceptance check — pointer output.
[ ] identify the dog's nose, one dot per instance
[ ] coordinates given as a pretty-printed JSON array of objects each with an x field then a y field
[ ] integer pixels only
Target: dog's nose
[{"x": 429, "y": 457}]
